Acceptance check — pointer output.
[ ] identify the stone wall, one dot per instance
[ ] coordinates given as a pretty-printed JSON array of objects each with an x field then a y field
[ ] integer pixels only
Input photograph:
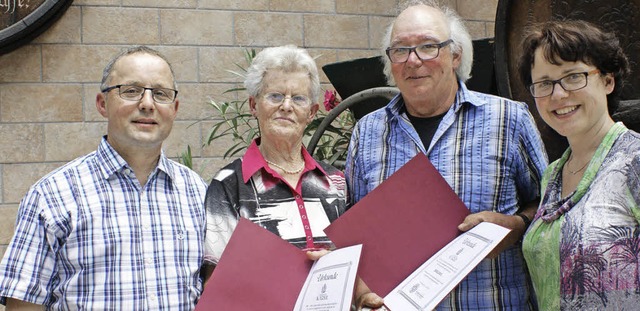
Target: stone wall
[{"x": 48, "y": 87}]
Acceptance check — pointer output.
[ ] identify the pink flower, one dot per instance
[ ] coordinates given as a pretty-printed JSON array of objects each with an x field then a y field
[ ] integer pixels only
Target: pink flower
[{"x": 331, "y": 99}]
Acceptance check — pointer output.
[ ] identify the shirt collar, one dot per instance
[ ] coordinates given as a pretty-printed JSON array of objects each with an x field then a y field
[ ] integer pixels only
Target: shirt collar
[
  {"x": 466, "y": 96},
  {"x": 110, "y": 161},
  {"x": 253, "y": 161}
]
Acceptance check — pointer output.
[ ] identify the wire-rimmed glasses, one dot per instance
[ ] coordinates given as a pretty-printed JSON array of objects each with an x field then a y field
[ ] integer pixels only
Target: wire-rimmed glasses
[
  {"x": 276, "y": 98},
  {"x": 135, "y": 93}
]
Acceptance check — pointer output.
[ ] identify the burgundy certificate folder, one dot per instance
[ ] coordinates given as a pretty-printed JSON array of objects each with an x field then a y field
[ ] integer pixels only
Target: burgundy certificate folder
[
  {"x": 401, "y": 224},
  {"x": 265, "y": 275}
]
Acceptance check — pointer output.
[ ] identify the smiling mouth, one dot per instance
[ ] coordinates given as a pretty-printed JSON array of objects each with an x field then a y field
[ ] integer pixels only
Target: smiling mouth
[
  {"x": 415, "y": 77},
  {"x": 145, "y": 122},
  {"x": 284, "y": 119},
  {"x": 565, "y": 110}
]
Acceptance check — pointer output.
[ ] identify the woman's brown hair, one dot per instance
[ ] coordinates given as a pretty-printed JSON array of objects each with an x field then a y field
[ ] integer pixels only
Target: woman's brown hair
[{"x": 572, "y": 41}]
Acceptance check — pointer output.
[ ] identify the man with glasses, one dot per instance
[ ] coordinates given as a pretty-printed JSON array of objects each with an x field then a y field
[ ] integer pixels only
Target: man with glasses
[
  {"x": 487, "y": 148},
  {"x": 121, "y": 228}
]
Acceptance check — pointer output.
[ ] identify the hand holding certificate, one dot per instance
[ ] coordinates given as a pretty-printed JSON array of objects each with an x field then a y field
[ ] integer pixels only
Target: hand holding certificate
[
  {"x": 401, "y": 224},
  {"x": 430, "y": 283},
  {"x": 260, "y": 271},
  {"x": 329, "y": 285}
]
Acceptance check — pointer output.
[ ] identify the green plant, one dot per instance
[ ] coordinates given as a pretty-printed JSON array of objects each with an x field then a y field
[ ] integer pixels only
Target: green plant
[
  {"x": 186, "y": 158},
  {"x": 332, "y": 145},
  {"x": 236, "y": 120},
  {"x": 238, "y": 124}
]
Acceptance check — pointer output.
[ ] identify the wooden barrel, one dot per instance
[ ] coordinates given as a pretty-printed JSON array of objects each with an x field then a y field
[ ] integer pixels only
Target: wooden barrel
[
  {"x": 23, "y": 20},
  {"x": 514, "y": 16}
]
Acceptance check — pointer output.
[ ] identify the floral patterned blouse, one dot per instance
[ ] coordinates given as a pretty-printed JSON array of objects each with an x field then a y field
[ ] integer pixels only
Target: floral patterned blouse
[{"x": 583, "y": 250}]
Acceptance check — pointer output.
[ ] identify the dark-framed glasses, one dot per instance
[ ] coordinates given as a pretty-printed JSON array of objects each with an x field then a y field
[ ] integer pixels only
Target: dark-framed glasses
[
  {"x": 135, "y": 93},
  {"x": 276, "y": 98},
  {"x": 424, "y": 51},
  {"x": 570, "y": 82}
]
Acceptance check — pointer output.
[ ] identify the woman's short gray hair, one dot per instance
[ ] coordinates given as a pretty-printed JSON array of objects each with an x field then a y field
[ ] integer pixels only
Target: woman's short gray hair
[
  {"x": 288, "y": 58},
  {"x": 461, "y": 38}
]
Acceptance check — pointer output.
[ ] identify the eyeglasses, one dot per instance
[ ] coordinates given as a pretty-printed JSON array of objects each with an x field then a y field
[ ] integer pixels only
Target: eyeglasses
[
  {"x": 570, "y": 82},
  {"x": 135, "y": 93},
  {"x": 276, "y": 98},
  {"x": 424, "y": 52}
]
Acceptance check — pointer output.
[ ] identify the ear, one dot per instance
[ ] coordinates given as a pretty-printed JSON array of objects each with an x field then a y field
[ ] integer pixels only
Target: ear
[
  {"x": 312, "y": 112},
  {"x": 456, "y": 59},
  {"x": 175, "y": 108},
  {"x": 609, "y": 83},
  {"x": 252, "y": 106},
  {"x": 101, "y": 104}
]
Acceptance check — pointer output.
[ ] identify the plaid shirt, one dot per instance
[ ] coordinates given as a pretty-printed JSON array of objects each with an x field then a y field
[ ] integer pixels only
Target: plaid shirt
[
  {"x": 90, "y": 237},
  {"x": 489, "y": 151}
]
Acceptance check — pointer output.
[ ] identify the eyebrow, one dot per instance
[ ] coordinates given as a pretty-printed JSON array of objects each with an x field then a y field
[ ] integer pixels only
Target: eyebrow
[
  {"x": 153, "y": 85},
  {"x": 564, "y": 73},
  {"x": 424, "y": 38}
]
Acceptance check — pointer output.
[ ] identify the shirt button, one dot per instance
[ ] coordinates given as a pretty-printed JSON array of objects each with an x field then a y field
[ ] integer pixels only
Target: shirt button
[
  {"x": 127, "y": 171},
  {"x": 148, "y": 261}
]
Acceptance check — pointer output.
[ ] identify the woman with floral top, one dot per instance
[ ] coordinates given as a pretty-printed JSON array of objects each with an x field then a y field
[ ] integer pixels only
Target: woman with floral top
[{"x": 583, "y": 246}]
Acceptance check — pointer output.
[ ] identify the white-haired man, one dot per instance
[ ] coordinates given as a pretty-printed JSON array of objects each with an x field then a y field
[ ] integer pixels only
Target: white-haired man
[{"x": 487, "y": 148}]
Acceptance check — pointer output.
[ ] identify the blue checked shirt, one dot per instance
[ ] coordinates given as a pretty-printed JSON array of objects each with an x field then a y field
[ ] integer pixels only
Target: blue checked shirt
[
  {"x": 490, "y": 152},
  {"x": 90, "y": 237}
]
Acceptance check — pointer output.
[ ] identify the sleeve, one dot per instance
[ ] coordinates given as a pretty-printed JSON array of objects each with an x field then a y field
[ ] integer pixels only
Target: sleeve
[
  {"x": 28, "y": 270},
  {"x": 633, "y": 183},
  {"x": 531, "y": 159},
  {"x": 222, "y": 218},
  {"x": 352, "y": 171}
]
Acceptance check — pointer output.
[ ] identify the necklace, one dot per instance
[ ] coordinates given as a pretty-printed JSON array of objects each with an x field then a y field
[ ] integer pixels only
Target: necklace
[
  {"x": 284, "y": 170},
  {"x": 579, "y": 170}
]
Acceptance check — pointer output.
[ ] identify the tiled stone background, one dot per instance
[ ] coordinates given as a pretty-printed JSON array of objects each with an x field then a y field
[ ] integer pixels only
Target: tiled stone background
[{"x": 48, "y": 87}]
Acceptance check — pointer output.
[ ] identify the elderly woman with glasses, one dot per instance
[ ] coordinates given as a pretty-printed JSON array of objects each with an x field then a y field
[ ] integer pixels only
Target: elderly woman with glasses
[
  {"x": 583, "y": 247},
  {"x": 277, "y": 184}
]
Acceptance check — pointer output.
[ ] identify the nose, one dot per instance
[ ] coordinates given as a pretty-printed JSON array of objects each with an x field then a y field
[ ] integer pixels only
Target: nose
[
  {"x": 557, "y": 91},
  {"x": 413, "y": 58},
  {"x": 147, "y": 102},
  {"x": 287, "y": 103}
]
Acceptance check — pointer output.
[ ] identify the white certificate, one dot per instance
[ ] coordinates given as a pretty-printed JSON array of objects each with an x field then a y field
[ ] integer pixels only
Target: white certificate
[
  {"x": 433, "y": 280},
  {"x": 329, "y": 285}
]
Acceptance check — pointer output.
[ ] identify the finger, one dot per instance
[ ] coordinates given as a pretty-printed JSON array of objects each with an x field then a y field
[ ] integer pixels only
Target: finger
[
  {"x": 315, "y": 255},
  {"x": 470, "y": 222},
  {"x": 371, "y": 300}
]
